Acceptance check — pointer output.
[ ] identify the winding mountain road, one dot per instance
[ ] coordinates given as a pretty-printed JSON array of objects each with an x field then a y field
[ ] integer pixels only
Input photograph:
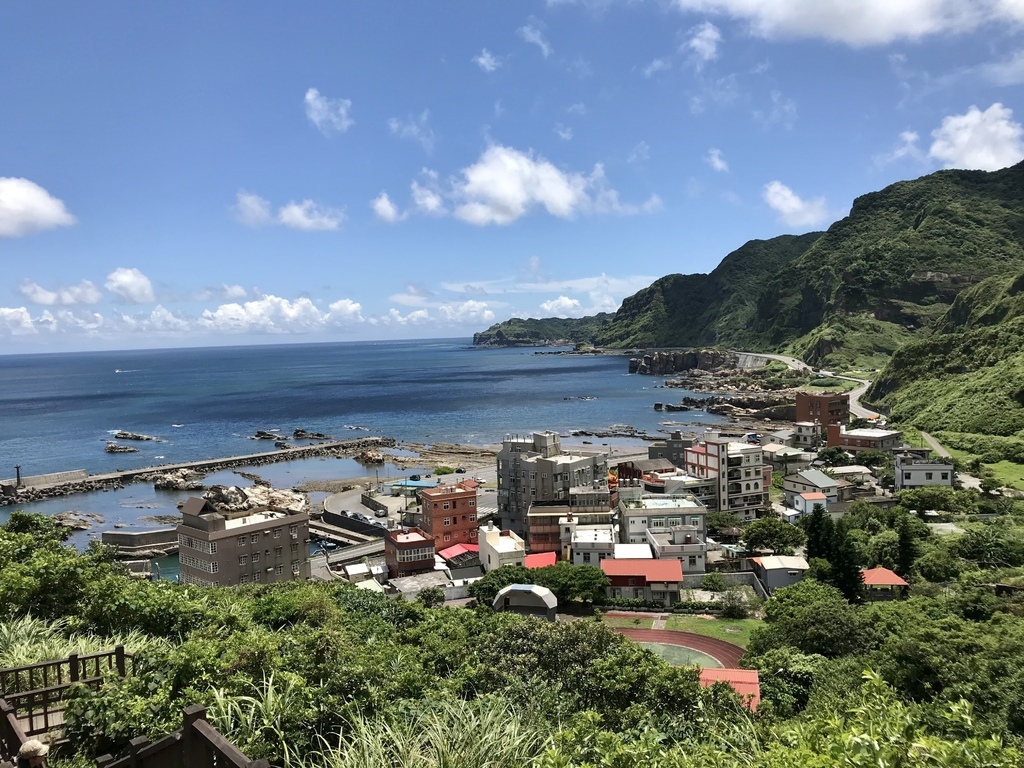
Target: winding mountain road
[{"x": 855, "y": 394}]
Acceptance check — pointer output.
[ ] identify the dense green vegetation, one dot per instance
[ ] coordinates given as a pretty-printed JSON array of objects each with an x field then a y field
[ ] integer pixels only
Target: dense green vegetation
[
  {"x": 324, "y": 674},
  {"x": 531, "y": 332},
  {"x": 698, "y": 310}
]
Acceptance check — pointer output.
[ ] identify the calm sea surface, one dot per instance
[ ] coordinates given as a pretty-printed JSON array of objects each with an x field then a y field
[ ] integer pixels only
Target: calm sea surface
[{"x": 59, "y": 409}]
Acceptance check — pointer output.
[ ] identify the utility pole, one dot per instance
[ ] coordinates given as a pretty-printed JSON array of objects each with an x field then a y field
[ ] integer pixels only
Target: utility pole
[{"x": 17, "y": 482}]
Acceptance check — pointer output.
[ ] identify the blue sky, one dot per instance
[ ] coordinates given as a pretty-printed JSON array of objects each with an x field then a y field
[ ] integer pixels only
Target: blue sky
[{"x": 235, "y": 172}]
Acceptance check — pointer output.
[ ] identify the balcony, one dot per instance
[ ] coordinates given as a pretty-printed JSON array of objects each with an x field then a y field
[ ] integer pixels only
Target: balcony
[{"x": 734, "y": 474}]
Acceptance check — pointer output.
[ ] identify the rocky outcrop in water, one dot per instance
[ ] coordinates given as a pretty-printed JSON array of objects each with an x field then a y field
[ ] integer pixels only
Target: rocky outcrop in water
[
  {"x": 301, "y": 434},
  {"x": 178, "y": 480},
  {"x": 262, "y": 434},
  {"x": 112, "y": 447},
  {"x": 369, "y": 457},
  {"x": 231, "y": 498},
  {"x": 124, "y": 435},
  {"x": 662, "y": 363}
]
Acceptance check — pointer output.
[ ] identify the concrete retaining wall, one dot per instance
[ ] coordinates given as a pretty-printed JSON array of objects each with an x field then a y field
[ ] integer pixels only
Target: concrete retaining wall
[
  {"x": 129, "y": 542},
  {"x": 54, "y": 478},
  {"x": 743, "y": 579}
]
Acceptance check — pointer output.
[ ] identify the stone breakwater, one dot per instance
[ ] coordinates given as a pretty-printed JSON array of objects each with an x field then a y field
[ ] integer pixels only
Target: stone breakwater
[{"x": 117, "y": 480}]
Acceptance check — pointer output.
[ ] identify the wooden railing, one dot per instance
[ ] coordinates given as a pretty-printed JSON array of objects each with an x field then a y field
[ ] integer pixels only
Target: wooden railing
[
  {"x": 35, "y": 692},
  {"x": 196, "y": 745}
]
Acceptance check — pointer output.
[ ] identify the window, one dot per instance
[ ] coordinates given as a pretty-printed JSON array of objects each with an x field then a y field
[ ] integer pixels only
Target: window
[
  {"x": 472, "y": 502},
  {"x": 255, "y": 557},
  {"x": 245, "y": 578},
  {"x": 209, "y": 547},
  {"x": 586, "y": 557},
  {"x": 295, "y": 546},
  {"x": 906, "y": 475},
  {"x": 447, "y": 505},
  {"x": 945, "y": 476},
  {"x": 695, "y": 522},
  {"x": 200, "y": 565},
  {"x": 447, "y": 537},
  {"x": 447, "y": 521},
  {"x": 693, "y": 561},
  {"x": 278, "y": 551},
  {"x": 632, "y": 582},
  {"x": 254, "y": 538},
  {"x": 277, "y": 533},
  {"x": 241, "y": 541},
  {"x": 293, "y": 530},
  {"x": 928, "y": 475},
  {"x": 257, "y": 576},
  {"x": 472, "y": 518},
  {"x": 243, "y": 560},
  {"x": 279, "y": 570},
  {"x": 295, "y": 568}
]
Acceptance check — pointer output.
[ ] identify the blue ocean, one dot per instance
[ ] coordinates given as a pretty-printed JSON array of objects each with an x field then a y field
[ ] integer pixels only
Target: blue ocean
[{"x": 60, "y": 409}]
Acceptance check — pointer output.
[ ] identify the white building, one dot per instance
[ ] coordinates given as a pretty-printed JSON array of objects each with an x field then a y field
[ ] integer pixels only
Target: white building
[
  {"x": 684, "y": 543},
  {"x": 914, "y": 472},
  {"x": 743, "y": 480},
  {"x": 658, "y": 513},
  {"x": 498, "y": 548},
  {"x": 806, "y": 435},
  {"x": 590, "y": 544}
]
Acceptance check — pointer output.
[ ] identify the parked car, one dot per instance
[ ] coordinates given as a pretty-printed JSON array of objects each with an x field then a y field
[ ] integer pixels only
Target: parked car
[
  {"x": 414, "y": 478},
  {"x": 460, "y": 470},
  {"x": 381, "y": 513}
]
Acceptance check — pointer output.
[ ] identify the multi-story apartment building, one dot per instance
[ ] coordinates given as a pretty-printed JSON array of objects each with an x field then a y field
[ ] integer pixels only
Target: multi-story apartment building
[
  {"x": 914, "y": 472},
  {"x": 672, "y": 448},
  {"x": 658, "y": 513},
  {"x": 549, "y": 523},
  {"x": 807, "y": 435},
  {"x": 449, "y": 513},
  {"x": 241, "y": 547},
  {"x": 535, "y": 469},
  {"x": 854, "y": 441},
  {"x": 825, "y": 408},
  {"x": 685, "y": 543},
  {"x": 743, "y": 480},
  {"x": 408, "y": 551},
  {"x": 704, "y": 489},
  {"x": 590, "y": 544}
]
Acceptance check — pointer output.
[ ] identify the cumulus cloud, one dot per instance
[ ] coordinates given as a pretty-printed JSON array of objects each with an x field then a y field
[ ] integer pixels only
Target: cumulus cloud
[
  {"x": 329, "y": 115},
  {"x": 563, "y": 306},
  {"x": 274, "y": 314},
  {"x": 792, "y": 209},
  {"x": 16, "y": 321},
  {"x": 255, "y": 211},
  {"x": 487, "y": 61},
  {"x": 531, "y": 34},
  {"x": 505, "y": 184},
  {"x": 25, "y": 208},
  {"x": 426, "y": 198},
  {"x": 702, "y": 43},
  {"x": 384, "y": 209},
  {"x": 415, "y": 128},
  {"x": 396, "y": 318},
  {"x": 308, "y": 216},
  {"x": 604, "y": 293},
  {"x": 906, "y": 147},
  {"x": 863, "y": 23},
  {"x": 130, "y": 285},
  {"x": 715, "y": 159},
  {"x": 466, "y": 313},
  {"x": 979, "y": 140},
  {"x": 83, "y": 292}
]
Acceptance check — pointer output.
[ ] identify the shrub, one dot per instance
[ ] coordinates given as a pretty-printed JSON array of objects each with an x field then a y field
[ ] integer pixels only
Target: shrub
[{"x": 713, "y": 582}]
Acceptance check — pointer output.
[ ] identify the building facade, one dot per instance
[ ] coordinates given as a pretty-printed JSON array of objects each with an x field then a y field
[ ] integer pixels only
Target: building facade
[
  {"x": 536, "y": 469},
  {"x": 449, "y": 513},
  {"x": 685, "y": 543},
  {"x": 826, "y": 408},
  {"x": 809, "y": 481},
  {"x": 408, "y": 551},
  {"x": 500, "y": 547},
  {"x": 590, "y": 544},
  {"x": 657, "y": 581},
  {"x": 672, "y": 448},
  {"x": 853, "y": 441},
  {"x": 743, "y": 480},
  {"x": 243, "y": 547},
  {"x": 659, "y": 514},
  {"x": 549, "y": 523},
  {"x": 914, "y": 472}
]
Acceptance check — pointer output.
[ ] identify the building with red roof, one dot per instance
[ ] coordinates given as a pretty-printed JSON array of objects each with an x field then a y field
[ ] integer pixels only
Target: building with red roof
[
  {"x": 656, "y": 581},
  {"x": 540, "y": 560},
  {"x": 883, "y": 584},
  {"x": 746, "y": 682}
]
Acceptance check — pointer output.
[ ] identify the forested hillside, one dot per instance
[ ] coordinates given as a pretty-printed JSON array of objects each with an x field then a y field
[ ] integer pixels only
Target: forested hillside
[{"x": 519, "y": 332}]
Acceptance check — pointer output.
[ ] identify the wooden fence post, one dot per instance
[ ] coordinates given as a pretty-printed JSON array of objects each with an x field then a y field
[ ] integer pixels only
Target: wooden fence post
[
  {"x": 73, "y": 664},
  {"x": 119, "y": 660},
  {"x": 193, "y": 755},
  {"x": 136, "y": 745}
]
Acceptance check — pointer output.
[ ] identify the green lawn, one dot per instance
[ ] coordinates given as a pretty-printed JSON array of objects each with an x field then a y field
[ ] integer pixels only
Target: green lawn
[
  {"x": 640, "y": 622},
  {"x": 678, "y": 656},
  {"x": 1006, "y": 472},
  {"x": 735, "y": 631}
]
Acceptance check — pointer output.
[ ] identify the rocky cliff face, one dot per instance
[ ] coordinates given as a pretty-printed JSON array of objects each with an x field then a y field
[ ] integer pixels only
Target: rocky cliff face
[{"x": 664, "y": 363}]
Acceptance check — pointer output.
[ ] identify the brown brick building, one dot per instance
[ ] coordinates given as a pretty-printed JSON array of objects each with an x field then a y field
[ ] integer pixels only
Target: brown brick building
[
  {"x": 449, "y": 513},
  {"x": 408, "y": 551},
  {"x": 252, "y": 546},
  {"x": 824, "y": 408}
]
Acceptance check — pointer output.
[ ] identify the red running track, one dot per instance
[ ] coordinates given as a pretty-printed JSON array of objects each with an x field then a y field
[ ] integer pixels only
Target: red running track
[{"x": 727, "y": 654}]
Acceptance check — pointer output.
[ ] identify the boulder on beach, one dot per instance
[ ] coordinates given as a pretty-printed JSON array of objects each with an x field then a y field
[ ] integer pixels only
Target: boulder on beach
[{"x": 231, "y": 498}]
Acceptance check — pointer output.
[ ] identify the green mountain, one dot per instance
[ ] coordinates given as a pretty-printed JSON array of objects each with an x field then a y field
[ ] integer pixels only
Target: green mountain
[
  {"x": 528, "y": 332},
  {"x": 968, "y": 376},
  {"x": 699, "y": 310}
]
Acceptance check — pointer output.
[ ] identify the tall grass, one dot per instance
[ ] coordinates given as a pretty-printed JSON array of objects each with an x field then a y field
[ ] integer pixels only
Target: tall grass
[{"x": 27, "y": 640}]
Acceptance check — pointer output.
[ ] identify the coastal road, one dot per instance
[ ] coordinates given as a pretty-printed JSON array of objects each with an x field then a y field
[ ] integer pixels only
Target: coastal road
[{"x": 855, "y": 394}]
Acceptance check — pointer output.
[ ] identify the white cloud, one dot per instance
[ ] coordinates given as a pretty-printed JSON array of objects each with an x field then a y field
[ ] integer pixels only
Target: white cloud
[
  {"x": 25, "y": 208},
  {"x": 604, "y": 293},
  {"x": 715, "y": 159},
  {"x": 415, "y": 128},
  {"x": 564, "y": 132},
  {"x": 16, "y": 321},
  {"x": 1005, "y": 72},
  {"x": 131, "y": 285},
  {"x": 641, "y": 153},
  {"x": 233, "y": 292},
  {"x": 163, "y": 320},
  {"x": 344, "y": 312},
  {"x": 268, "y": 314},
  {"x": 329, "y": 115},
  {"x": 907, "y": 147},
  {"x": 986, "y": 141},
  {"x": 252, "y": 210},
  {"x": 84, "y": 292},
  {"x": 658, "y": 65},
  {"x": 563, "y": 306},
  {"x": 427, "y": 200},
  {"x": 702, "y": 43},
  {"x": 577, "y": 109},
  {"x": 385, "y": 209},
  {"x": 793, "y": 210},
  {"x": 396, "y": 318},
  {"x": 308, "y": 216},
  {"x": 471, "y": 312},
  {"x": 505, "y": 184},
  {"x": 863, "y": 23},
  {"x": 487, "y": 61},
  {"x": 534, "y": 36}
]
